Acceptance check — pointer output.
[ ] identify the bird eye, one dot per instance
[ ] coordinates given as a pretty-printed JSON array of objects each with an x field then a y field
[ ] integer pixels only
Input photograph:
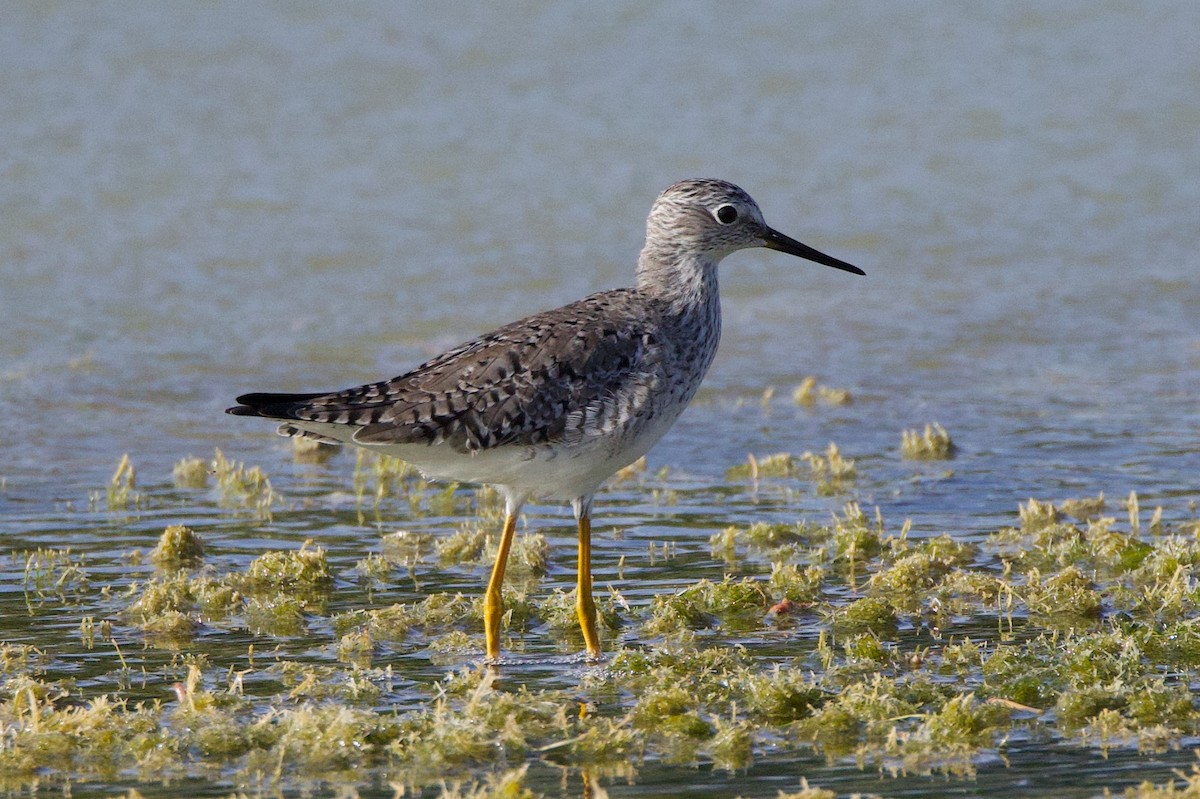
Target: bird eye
[{"x": 726, "y": 214}]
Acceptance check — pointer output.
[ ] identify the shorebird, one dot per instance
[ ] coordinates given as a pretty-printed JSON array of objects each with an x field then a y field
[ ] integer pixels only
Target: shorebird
[{"x": 550, "y": 406}]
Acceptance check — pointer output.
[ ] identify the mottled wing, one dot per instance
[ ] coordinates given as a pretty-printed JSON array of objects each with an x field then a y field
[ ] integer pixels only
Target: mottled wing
[{"x": 555, "y": 376}]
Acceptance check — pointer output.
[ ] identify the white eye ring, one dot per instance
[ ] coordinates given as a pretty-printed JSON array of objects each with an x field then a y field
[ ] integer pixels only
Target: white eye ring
[{"x": 726, "y": 214}]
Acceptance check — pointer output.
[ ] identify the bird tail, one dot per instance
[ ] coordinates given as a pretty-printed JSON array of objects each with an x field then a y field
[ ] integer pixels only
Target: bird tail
[{"x": 272, "y": 406}]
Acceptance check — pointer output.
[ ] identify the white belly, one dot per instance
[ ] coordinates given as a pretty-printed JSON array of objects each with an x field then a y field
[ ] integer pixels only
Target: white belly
[{"x": 544, "y": 471}]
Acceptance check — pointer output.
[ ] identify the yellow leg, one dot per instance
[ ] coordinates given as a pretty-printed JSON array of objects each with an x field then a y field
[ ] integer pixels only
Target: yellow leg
[
  {"x": 585, "y": 606},
  {"x": 493, "y": 601}
]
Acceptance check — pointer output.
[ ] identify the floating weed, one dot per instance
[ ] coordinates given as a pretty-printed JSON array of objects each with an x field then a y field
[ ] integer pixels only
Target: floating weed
[
  {"x": 948, "y": 739},
  {"x": 472, "y": 724},
  {"x": 662, "y": 553},
  {"x": 558, "y": 612},
  {"x": 44, "y": 733},
  {"x": 665, "y": 496},
  {"x": 1044, "y": 542},
  {"x": 216, "y": 733},
  {"x": 671, "y": 710},
  {"x": 834, "y": 729},
  {"x": 788, "y": 581},
  {"x": 775, "y": 539},
  {"x": 809, "y": 392},
  {"x": 707, "y": 670},
  {"x": 610, "y": 743},
  {"x": 963, "y": 593},
  {"x": 1109, "y": 728},
  {"x": 447, "y": 501},
  {"x": 866, "y": 615},
  {"x": 1175, "y": 645},
  {"x": 1022, "y": 674},
  {"x": 178, "y": 593},
  {"x": 406, "y": 548},
  {"x": 1078, "y": 707},
  {"x": 241, "y": 487},
  {"x": 962, "y": 658},
  {"x": 121, "y": 491},
  {"x": 465, "y": 547},
  {"x": 54, "y": 573},
  {"x": 1094, "y": 644},
  {"x": 943, "y": 548},
  {"x": 833, "y": 473},
  {"x": 277, "y": 615},
  {"x": 855, "y": 538},
  {"x": 435, "y": 614},
  {"x": 834, "y": 396},
  {"x": 1158, "y": 703},
  {"x": 529, "y": 557},
  {"x": 1064, "y": 598},
  {"x": 780, "y": 464},
  {"x": 190, "y": 473},
  {"x": 357, "y": 647},
  {"x": 633, "y": 473},
  {"x": 172, "y": 629},
  {"x": 1047, "y": 546},
  {"x": 1097, "y": 658},
  {"x": 449, "y": 648},
  {"x": 374, "y": 569},
  {"x": 488, "y": 505},
  {"x": 1188, "y": 787},
  {"x": 1036, "y": 515},
  {"x": 178, "y": 547},
  {"x": 1083, "y": 509},
  {"x": 381, "y": 477},
  {"x": 24, "y": 659},
  {"x": 932, "y": 445},
  {"x": 865, "y": 653},
  {"x": 328, "y": 683},
  {"x": 908, "y": 579},
  {"x": 1168, "y": 555},
  {"x": 501, "y": 785},
  {"x": 737, "y": 603},
  {"x": 716, "y": 683},
  {"x": 860, "y": 710},
  {"x": 1134, "y": 509},
  {"x": 732, "y": 744},
  {"x": 724, "y": 544},
  {"x": 295, "y": 571},
  {"x": 317, "y": 740},
  {"x": 779, "y": 696},
  {"x": 1163, "y": 588}
]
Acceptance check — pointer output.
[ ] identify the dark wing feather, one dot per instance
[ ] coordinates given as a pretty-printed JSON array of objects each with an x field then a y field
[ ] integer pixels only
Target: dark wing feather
[
  {"x": 262, "y": 404},
  {"x": 537, "y": 380}
]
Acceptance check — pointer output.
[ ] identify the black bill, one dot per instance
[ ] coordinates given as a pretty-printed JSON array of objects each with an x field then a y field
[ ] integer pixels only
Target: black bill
[{"x": 774, "y": 240}]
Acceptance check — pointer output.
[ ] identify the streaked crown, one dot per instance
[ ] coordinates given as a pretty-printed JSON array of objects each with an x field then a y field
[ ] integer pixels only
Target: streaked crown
[{"x": 704, "y": 216}]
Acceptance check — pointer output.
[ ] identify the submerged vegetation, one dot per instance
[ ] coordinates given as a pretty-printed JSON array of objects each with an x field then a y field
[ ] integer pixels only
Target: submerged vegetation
[
  {"x": 241, "y": 486},
  {"x": 809, "y": 392},
  {"x": 934, "y": 444},
  {"x": 829, "y": 471},
  {"x": 850, "y": 639}
]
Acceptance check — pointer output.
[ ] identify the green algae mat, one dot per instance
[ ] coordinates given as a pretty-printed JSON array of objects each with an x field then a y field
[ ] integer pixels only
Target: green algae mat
[{"x": 803, "y": 658}]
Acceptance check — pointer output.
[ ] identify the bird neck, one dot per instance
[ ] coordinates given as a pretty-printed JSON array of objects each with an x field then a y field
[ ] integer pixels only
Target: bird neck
[{"x": 687, "y": 282}]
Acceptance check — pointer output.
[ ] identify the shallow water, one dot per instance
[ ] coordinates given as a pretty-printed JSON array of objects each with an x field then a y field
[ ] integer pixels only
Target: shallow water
[{"x": 201, "y": 201}]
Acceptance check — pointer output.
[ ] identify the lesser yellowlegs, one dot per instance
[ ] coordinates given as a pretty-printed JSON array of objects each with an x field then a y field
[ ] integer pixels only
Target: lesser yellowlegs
[{"x": 552, "y": 405}]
